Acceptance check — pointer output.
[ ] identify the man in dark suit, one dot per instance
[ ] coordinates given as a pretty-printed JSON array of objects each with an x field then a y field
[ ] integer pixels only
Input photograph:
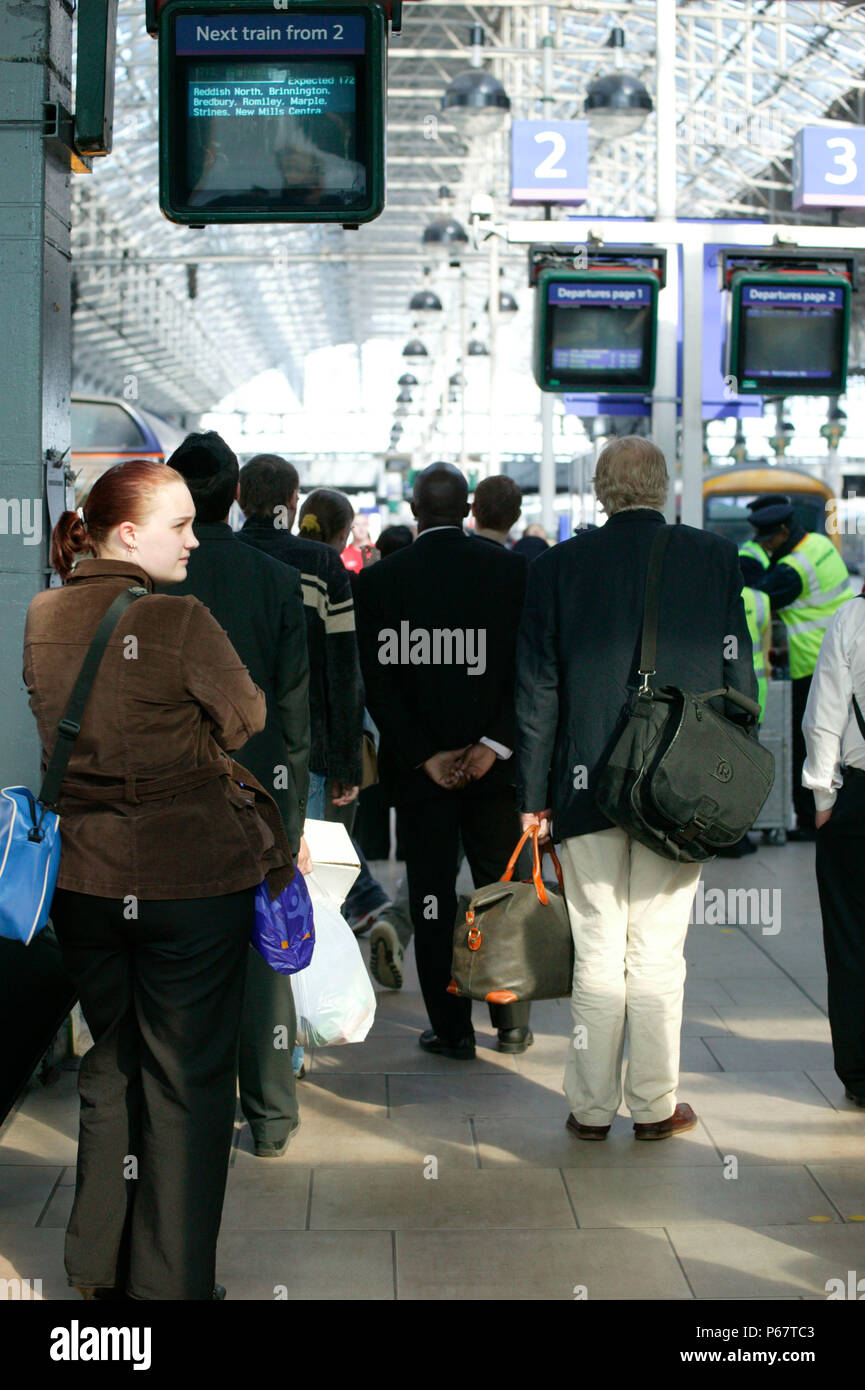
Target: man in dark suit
[
  {"x": 437, "y": 626},
  {"x": 578, "y": 654},
  {"x": 258, "y": 601}
]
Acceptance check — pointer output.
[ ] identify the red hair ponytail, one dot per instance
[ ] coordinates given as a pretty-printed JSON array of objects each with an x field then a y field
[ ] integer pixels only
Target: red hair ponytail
[{"x": 126, "y": 492}]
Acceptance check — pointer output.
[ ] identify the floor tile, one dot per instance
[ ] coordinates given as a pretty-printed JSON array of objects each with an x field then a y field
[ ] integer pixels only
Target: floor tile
[
  {"x": 306, "y": 1266},
  {"x": 844, "y": 1185},
  {"x": 402, "y": 1200},
  {"x": 774, "y": 1117},
  {"x": 745, "y": 1054},
  {"x": 467, "y": 1095},
  {"x": 516, "y": 1265},
  {"x": 44, "y": 1129},
  {"x": 658, "y": 1195},
  {"x": 266, "y": 1195},
  {"x": 35, "y": 1255},
  {"x": 370, "y": 1139},
  {"x": 400, "y": 1055},
  {"x": 24, "y": 1193},
  {"x": 725, "y": 1259},
  {"x": 795, "y": 1020}
]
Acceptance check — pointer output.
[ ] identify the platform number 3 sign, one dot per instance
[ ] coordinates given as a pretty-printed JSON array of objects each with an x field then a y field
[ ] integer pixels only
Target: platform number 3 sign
[
  {"x": 549, "y": 161},
  {"x": 829, "y": 167}
]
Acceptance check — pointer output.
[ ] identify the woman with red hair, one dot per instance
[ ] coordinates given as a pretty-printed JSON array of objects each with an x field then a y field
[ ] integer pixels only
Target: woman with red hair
[{"x": 164, "y": 840}]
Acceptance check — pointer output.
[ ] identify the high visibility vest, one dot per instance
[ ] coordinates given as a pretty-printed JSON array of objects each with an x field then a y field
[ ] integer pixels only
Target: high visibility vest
[
  {"x": 825, "y": 586},
  {"x": 758, "y": 616},
  {"x": 754, "y": 551}
]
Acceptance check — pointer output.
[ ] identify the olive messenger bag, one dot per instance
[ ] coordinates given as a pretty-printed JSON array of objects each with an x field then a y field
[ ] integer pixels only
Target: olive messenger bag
[
  {"x": 514, "y": 942},
  {"x": 682, "y": 778}
]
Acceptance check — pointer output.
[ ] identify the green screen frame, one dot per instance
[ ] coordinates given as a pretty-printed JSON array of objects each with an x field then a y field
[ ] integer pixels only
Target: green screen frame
[
  {"x": 733, "y": 342},
  {"x": 542, "y": 328},
  {"x": 173, "y": 122}
]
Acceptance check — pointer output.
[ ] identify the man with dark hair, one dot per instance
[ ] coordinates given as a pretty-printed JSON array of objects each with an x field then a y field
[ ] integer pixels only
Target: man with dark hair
[
  {"x": 496, "y": 508},
  {"x": 268, "y": 498},
  {"x": 438, "y": 661},
  {"x": 258, "y": 602}
]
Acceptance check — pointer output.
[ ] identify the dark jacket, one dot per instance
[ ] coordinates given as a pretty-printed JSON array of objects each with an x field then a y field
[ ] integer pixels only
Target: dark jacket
[
  {"x": 578, "y": 651},
  {"x": 258, "y": 602},
  {"x": 448, "y": 583},
  {"x": 335, "y": 686},
  {"x": 149, "y": 806}
]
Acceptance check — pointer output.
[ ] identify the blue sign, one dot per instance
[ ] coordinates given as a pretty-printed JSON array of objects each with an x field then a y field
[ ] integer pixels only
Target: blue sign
[
  {"x": 549, "y": 161},
  {"x": 811, "y": 295},
  {"x": 237, "y": 34},
  {"x": 829, "y": 167},
  {"x": 628, "y": 296}
]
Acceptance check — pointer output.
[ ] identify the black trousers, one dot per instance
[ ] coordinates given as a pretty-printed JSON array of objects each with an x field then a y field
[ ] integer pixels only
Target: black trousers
[
  {"x": 430, "y": 834},
  {"x": 840, "y": 851},
  {"x": 162, "y": 997},
  {"x": 268, "y": 1028},
  {"x": 803, "y": 797}
]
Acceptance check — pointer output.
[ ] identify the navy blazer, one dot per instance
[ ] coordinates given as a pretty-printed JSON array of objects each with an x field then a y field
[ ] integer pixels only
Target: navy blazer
[{"x": 579, "y": 646}]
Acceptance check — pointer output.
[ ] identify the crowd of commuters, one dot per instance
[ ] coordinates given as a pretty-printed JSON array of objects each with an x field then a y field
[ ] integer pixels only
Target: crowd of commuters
[{"x": 243, "y": 695}]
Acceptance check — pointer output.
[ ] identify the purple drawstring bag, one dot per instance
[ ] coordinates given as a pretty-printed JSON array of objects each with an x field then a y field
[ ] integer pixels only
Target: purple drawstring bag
[{"x": 283, "y": 931}]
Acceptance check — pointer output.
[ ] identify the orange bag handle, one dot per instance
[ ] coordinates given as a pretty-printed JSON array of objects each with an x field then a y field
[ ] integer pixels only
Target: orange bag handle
[{"x": 541, "y": 891}]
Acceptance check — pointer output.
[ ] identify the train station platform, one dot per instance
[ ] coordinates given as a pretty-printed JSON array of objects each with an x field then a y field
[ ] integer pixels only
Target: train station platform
[{"x": 415, "y": 1177}]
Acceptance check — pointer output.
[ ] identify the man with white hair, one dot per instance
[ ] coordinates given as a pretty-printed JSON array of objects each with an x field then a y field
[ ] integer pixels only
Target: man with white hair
[{"x": 577, "y": 659}]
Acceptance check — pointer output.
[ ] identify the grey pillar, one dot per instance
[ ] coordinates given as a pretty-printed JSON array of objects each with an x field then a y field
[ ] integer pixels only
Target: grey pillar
[{"x": 35, "y": 351}]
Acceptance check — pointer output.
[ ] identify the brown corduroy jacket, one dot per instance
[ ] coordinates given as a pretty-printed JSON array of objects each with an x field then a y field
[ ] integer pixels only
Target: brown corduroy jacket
[{"x": 152, "y": 806}]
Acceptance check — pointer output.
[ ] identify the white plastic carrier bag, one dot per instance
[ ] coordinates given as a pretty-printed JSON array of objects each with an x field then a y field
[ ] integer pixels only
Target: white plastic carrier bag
[{"x": 333, "y": 997}]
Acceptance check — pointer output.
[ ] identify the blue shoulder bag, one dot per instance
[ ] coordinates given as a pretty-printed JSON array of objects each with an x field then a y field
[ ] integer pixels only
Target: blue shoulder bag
[{"x": 29, "y": 826}]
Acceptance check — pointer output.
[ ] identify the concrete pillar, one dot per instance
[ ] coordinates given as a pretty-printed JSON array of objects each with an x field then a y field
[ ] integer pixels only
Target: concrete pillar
[{"x": 35, "y": 350}]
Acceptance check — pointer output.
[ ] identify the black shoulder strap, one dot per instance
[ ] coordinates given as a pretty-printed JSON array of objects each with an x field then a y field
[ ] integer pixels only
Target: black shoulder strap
[
  {"x": 648, "y": 649},
  {"x": 70, "y": 725}
]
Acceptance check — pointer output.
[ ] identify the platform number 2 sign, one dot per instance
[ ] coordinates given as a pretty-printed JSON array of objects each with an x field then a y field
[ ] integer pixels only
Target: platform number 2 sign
[
  {"x": 549, "y": 161},
  {"x": 829, "y": 167}
]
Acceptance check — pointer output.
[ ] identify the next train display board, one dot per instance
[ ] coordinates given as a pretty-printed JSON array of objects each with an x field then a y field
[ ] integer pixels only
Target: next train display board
[
  {"x": 596, "y": 330},
  {"x": 787, "y": 333},
  {"x": 271, "y": 115}
]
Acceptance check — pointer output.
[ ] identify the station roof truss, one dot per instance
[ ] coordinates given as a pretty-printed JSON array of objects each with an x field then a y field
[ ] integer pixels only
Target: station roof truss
[{"x": 749, "y": 74}]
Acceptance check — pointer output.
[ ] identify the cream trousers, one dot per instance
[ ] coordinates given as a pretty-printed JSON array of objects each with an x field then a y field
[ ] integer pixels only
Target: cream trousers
[{"x": 629, "y": 911}]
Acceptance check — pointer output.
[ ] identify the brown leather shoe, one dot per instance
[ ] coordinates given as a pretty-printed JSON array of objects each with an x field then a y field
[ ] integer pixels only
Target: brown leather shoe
[
  {"x": 586, "y": 1131},
  {"x": 682, "y": 1119}
]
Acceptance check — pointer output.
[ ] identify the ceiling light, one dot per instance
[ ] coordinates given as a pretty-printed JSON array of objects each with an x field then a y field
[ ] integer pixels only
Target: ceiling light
[{"x": 617, "y": 103}]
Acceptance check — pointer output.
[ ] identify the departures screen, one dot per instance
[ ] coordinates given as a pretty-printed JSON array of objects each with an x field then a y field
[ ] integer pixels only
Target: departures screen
[
  {"x": 271, "y": 105},
  {"x": 792, "y": 334},
  {"x": 600, "y": 333}
]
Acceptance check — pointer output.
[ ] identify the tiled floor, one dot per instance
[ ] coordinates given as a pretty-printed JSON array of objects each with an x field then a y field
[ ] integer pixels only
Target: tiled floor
[{"x": 416, "y": 1177}]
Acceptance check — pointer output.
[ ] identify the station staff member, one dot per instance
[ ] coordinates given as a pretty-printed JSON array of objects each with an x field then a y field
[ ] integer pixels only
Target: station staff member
[
  {"x": 759, "y": 619},
  {"x": 835, "y": 771},
  {"x": 806, "y": 582}
]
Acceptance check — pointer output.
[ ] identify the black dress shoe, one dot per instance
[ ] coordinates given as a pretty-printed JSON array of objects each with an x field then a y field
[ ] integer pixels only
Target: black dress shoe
[
  {"x": 460, "y": 1049},
  {"x": 277, "y": 1149},
  {"x": 515, "y": 1039}
]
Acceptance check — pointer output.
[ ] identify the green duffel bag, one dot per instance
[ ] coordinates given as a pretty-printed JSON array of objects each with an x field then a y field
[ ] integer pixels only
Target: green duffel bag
[
  {"x": 682, "y": 778},
  {"x": 513, "y": 942}
]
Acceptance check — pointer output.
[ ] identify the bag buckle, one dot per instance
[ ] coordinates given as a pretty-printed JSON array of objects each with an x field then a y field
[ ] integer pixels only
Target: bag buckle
[
  {"x": 68, "y": 728},
  {"x": 474, "y": 938},
  {"x": 645, "y": 688}
]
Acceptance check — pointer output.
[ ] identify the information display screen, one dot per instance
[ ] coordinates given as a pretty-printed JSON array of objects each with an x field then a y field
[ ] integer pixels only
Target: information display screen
[
  {"x": 272, "y": 115},
  {"x": 598, "y": 335},
  {"x": 789, "y": 338}
]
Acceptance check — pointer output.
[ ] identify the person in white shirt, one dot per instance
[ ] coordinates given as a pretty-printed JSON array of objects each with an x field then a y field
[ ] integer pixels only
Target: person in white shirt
[{"x": 834, "y": 729}]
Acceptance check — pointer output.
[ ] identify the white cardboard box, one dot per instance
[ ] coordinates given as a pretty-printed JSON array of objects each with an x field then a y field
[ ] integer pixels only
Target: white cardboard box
[{"x": 334, "y": 858}]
